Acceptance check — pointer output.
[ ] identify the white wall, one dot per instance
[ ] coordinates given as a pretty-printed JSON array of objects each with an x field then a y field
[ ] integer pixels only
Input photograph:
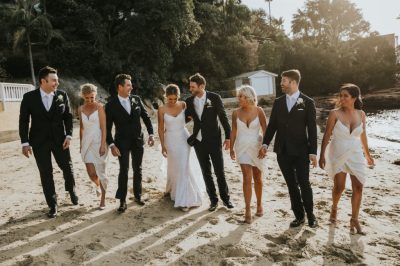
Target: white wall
[{"x": 263, "y": 85}]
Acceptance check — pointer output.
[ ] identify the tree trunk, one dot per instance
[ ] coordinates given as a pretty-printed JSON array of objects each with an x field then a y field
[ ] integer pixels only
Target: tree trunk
[{"x": 31, "y": 60}]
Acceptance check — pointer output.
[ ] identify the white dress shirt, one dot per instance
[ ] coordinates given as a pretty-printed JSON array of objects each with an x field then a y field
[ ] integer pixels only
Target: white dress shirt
[
  {"x": 291, "y": 100},
  {"x": 125, "y": 103},
  {"x": 199, "y": 107}
]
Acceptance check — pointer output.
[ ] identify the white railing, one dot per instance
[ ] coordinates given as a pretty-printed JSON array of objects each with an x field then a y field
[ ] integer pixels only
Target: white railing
[{"x": 13, "y": 92}]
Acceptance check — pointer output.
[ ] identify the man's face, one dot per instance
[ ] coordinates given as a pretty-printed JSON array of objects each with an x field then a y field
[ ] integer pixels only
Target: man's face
[
  {"x": 195, "y": 89},
  {"x": 287, "y": 85},
  {"x": 125, "y": 90},
  {"x": 49, "y": 83}
]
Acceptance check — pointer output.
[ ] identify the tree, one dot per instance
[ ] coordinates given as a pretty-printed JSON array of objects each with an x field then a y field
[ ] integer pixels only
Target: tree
[
  {"x": 328, "y": 22},
  {"x": 29, "y": 23}
]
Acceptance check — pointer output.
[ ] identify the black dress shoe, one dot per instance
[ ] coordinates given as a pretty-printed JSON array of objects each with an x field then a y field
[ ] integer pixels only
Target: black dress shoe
[
  {"x": 122, "y": 207},
  {"x": 297, "y": 222},
  {"x": 228, "y": 204},
  {"x": 213, "y": 207},
  {"x": 74, "y": 198},
  {"x": 312, "y": 223},
  {"x": 139, "y": 201},
  {"x": 53, "y": 212}
]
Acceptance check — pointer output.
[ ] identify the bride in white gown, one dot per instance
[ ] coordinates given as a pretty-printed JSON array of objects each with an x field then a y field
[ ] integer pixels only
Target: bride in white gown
[
  {"x": 347, "y": 152},
  {"x": 183, "y": 186},
  {"x": 93, "y": 139}
]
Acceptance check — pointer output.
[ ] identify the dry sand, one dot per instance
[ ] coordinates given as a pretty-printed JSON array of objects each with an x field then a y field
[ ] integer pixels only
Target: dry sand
[{"x": 158, "y": 234}]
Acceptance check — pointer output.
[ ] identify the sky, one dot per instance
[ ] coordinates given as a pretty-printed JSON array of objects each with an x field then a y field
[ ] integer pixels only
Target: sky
[{"x": 381, "y": 14}]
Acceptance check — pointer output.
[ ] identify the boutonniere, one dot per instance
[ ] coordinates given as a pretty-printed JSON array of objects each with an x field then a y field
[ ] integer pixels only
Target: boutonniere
[
  {"x": 300, "y": 103},
  {"x": 133, "y": 101},
  {"x": 208, "y": 103},
  {"x": 60, "y": 98}
]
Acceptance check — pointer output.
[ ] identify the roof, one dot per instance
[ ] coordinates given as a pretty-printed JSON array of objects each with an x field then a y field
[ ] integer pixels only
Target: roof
[{"x": 249, "y": 74}]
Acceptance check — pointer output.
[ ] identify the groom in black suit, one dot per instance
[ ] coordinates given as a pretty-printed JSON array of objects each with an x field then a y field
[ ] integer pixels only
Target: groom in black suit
[
  {"x": 50, "y": 133},
  {"x": 205, "y": 107},
  {"x": 125, "y": 111},
  {"x": 293, "y": 119}
]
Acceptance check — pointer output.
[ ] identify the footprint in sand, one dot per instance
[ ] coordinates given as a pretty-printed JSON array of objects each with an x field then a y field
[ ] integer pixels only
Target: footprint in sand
[
  {"x": 240, "y": 251},
  {"x": 280, "y": 194},
  {"x": 206, "y": 234},
  {"x": 95, "y": 246},
  {"x": 213, "y": 220}
]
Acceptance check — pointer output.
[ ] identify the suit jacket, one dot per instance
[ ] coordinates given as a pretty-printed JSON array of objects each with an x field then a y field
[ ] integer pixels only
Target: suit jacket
[
  {"x": 128, "y": 129},
  {"x": 54, "y": 124},
  {"x": 208, "y": 122},
  {"x": 296, "y": 131}
]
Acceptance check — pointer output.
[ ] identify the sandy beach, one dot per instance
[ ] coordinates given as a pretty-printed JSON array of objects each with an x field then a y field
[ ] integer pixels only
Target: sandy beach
[{"x": 158, "y": 234}]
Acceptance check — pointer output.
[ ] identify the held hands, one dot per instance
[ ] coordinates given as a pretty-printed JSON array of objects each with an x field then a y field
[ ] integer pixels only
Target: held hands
[
  {"x": 150, "y": 141},
  {"x": 227, "y": 144},
  {"x": 102, "y": 150},
  {"x": 115, "y": 151},
  {"x": 313, "y": 160},
  {"x": 262, "y": 153},
  {"x": 27, "y": 150}
]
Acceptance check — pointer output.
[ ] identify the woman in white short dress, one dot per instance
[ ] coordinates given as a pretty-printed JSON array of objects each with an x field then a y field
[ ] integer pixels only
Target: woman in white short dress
[
  {"x": 248, "y": 128},
  {"x": 347, "y": 151},
  {"x": 93, "y": 139}
]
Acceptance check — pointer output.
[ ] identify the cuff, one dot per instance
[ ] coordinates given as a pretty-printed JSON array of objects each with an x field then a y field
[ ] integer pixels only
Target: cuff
[
  {"x": 111, "y": 145},
  {"x": 25, "y": 144},
  {"x": 69, "y": 137},
  {"x": 265, "y": 146}
]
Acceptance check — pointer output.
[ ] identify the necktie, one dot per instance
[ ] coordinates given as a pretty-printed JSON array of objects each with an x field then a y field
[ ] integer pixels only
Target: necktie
[
  {"x": 126, "y": 105},
  {"x": 47, "y": 102}
]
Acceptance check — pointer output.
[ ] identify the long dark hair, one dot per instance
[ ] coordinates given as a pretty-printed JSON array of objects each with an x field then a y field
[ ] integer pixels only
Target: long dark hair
[{"x": 355, "y": 92}]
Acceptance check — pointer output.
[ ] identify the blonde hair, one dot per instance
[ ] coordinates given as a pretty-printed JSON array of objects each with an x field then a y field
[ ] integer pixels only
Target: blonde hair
[
  {"x": 248, "y": 92},
  {"x": 88, "y": 88},
  {"x": 172, "y": 89}
]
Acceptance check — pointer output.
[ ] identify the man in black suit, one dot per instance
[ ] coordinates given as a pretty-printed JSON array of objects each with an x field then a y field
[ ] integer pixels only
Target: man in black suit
[
  {"x": 293, "y": 119},
  {"x": 50, "y": 133},
  {"x": 125, "y": 111},
  {"x": 205, "y": 108}
]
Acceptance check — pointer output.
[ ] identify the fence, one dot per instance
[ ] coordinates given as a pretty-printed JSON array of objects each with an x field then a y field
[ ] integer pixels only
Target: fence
[{"x": 13, "y": 92}]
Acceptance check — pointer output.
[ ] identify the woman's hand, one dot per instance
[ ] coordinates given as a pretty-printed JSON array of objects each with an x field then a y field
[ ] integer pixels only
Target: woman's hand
[
  {"x": 164, "y": 151},
  {"x": 322, "y": 162},
  {"x": 102, "y": 150},
  {"x": 371, "y": 162},
  {"x": 233, "y": 154}
]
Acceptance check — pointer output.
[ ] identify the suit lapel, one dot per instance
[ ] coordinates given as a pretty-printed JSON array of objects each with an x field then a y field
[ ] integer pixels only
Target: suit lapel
[
  {"x": 204, "y": 106},
  {"x": 193, "y": 107}
]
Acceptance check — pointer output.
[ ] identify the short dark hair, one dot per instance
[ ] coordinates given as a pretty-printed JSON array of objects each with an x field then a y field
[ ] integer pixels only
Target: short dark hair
[
  {"x": 293, "y": 74},
  {"x": 197, "y": 78},
  {"x": 45, "y": 71},
  {"x": 120, "y": 80},
  {"x": 172, "y": 89}
]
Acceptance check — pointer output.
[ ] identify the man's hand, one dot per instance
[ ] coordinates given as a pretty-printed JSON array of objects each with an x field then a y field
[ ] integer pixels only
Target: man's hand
[
  {"x": 115, "y": 151},
  {"x": 66, "y": 143},
  {"x": 313, "y": 160},
  {"x": 27, "y": 150},
  {"x": 150, "y": 141},
  {"x": 262, "y": 153},
  {"x": 227, "y": 144}
]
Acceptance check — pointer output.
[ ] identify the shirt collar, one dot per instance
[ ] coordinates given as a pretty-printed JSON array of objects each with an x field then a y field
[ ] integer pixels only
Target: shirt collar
[
  {"x": 44, "y": 94},
  {"x": 202, "y": 98},
  {"x": 121, "y": 99},
  {"x": 293, "y": 96}
]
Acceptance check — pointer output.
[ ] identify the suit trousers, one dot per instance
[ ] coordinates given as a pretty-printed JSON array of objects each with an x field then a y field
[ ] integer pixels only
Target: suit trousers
[
  {"x": 206, "y": 151},
  {"x": 137, "y": 157},
  {"x": 42, "y": 156},
  {"x": 296, "y": 171}
]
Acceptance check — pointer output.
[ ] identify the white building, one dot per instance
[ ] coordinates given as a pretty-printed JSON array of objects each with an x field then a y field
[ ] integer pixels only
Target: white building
[{"x": 262, "y": 81}]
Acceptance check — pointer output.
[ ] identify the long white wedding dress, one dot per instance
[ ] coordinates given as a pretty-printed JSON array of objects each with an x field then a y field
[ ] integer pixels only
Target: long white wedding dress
[
  {"x": 248, "y": 143},
  {"x": 344, "y": 152},
  {"x": 91, "y": 141},
  {"x": 185, "y": 185}
]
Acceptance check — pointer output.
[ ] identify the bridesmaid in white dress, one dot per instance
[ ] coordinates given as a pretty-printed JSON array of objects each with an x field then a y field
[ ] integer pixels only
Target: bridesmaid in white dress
[
  {"x": 248, "y": 127},
  {"x": 346, "y": 151},
  {"x": 182, "y": 185},
  {"x": 93, "y": 139}
]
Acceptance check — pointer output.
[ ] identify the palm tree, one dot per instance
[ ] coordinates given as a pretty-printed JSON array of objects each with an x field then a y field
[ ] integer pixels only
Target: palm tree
[{"x": 29, "y": 22}]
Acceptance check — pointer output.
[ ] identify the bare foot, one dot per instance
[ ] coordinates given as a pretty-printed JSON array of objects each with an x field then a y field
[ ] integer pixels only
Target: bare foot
[{"x": 260, "y": 211}]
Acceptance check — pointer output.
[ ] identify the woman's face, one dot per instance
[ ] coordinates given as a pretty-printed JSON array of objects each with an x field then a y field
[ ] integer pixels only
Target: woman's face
[
  {"x": 242, "y": 100},
  {"x": 89, "y": 98},
  {"x": 346, "y": 100},
  {"x": 172, "y": 99}
]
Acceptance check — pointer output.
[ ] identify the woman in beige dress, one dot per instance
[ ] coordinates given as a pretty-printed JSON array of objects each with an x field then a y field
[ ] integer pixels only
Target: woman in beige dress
[
  {"x": 248, "y": 127},
  {"x": 93, "y": 139}
]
